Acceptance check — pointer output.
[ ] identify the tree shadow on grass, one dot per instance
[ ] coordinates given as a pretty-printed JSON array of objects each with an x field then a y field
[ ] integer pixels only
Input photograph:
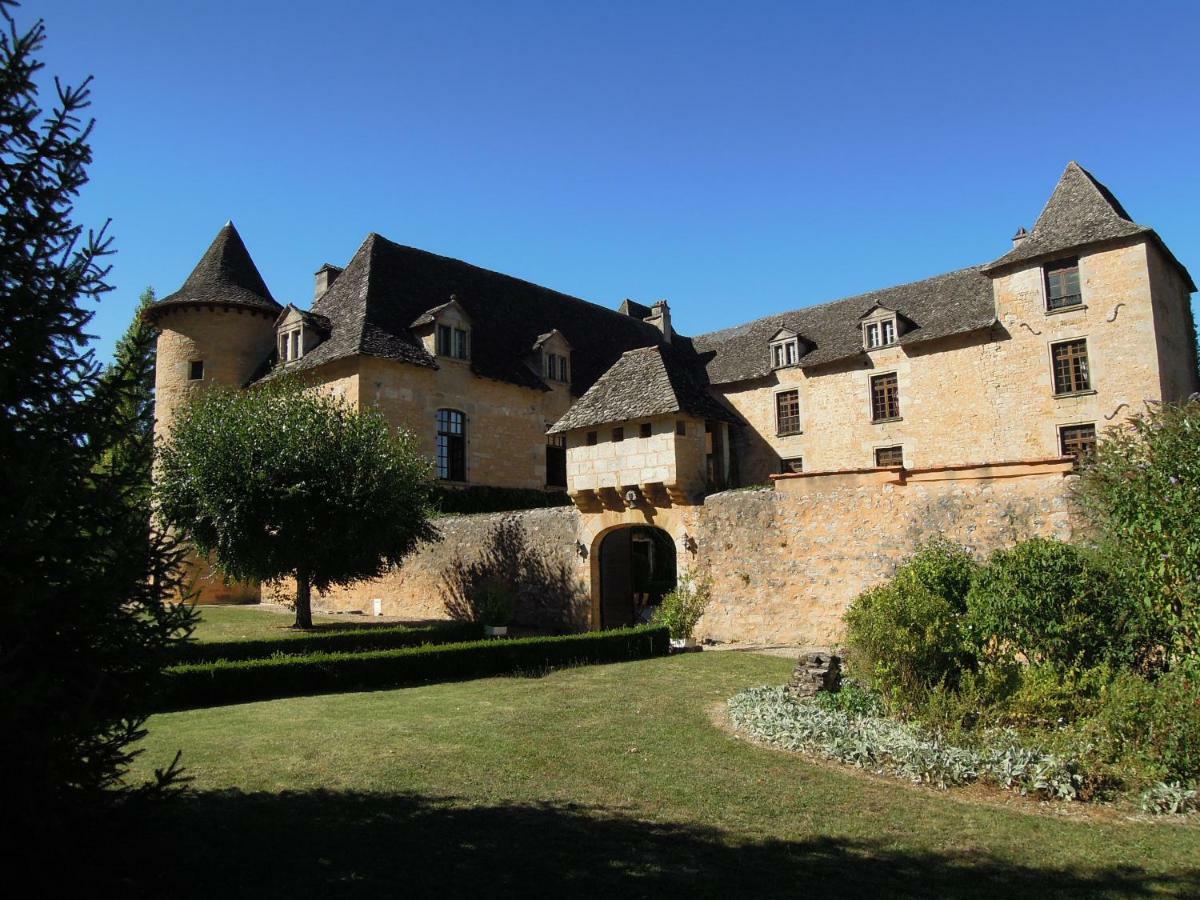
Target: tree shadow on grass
[{"x": 329, "y": 844}]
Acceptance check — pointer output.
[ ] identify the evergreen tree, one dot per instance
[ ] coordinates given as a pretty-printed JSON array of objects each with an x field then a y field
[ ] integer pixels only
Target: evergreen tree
[
  {"x": 84, "y": 616},
  {"x": 135, "y": 357}
]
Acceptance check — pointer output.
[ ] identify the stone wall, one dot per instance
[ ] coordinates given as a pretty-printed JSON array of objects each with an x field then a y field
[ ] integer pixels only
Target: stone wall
[
  {"x": 785, "y": 562},
  {"x": 415, "y": 590}
]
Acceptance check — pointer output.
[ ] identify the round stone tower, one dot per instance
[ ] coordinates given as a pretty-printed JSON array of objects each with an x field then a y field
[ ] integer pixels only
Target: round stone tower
[{"x": 218, "y": 328}]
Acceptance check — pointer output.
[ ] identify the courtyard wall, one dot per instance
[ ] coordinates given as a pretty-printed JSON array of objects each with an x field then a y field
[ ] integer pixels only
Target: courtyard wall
[{"x": 785, "y": 561}]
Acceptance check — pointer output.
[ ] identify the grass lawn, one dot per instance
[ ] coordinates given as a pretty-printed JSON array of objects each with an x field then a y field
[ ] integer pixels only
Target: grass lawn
[
  {"x": 600, "y": 781},
  {"x": 252, "y": 623}
]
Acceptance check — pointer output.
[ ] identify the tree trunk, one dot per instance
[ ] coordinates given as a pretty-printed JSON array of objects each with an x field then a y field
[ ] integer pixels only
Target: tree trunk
[{"x": 303, "y": 600}]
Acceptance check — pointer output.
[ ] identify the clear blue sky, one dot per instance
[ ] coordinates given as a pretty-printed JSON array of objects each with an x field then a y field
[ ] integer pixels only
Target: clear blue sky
[{"x": 735, "y": 158}]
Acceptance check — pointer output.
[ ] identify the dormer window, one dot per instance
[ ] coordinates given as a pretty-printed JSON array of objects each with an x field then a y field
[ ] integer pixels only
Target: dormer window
[
  {"x": 550, "y": 356},
  {"x": 297, "y": 332},
  {"x": 785, "y": 349},
  {"x": 291, "y": 344},
  {"x": 881, "y": 328},
  {"x": 880, "y": 334},
  {"x": 453, "y": 342},
  {"x": 555, "y": 367}
]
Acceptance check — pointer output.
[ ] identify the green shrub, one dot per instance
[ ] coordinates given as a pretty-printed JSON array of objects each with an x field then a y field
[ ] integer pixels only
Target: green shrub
[
  {"x": 1141, "y": 490},
  {"x": 944, "y": 568},
  {"x": 482, "y": 498},
  {"x": 682, "y": 608},
  {"x": 1048, "y": 696},
  {"x": 1148, "y": 728},
  {"x": 906, "y": 637},
  {"x": 356, "y": 640},
  {"x": 1050, "y": 602},
  {"x": 224, "y": 682}
]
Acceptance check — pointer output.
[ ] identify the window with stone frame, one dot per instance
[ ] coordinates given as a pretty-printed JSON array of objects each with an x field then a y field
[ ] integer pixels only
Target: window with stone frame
[
  {"x": 791, "y": 465},
  {"x": 1069, "y": 360},
  {"x": 889, "y": 456},
  {"x": 885, "y": 397},
  {"x": 453, "y": 342},
  {"x": 556, "y": 460},
  {"x": 785, "y": 352},
  {"x": 1077, "y": 440},
  {"x": 451, "y": 445},
  {"x": 879, "y": 334},
  {"x": 787, "y": 412},
  {"x": 291, "y": 345},
  {"x": 1062, "y": 284},
  {"x": 555, "y": 367}
]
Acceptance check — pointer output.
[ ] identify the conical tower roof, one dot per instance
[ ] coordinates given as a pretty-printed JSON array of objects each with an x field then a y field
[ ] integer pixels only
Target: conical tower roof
[{"x": 225, "y": 275}]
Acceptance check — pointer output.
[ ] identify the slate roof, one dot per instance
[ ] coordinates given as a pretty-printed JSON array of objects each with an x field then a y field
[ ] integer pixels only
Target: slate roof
[
  {"x": 388, "y": 287},
  {"x": 1079, "y": 213},
  {"x": 225, "y": 274},
  {"x": 954, "y": 303},
  {"x": 651, "y": 381},
  {"x": 320, "y": 323}
]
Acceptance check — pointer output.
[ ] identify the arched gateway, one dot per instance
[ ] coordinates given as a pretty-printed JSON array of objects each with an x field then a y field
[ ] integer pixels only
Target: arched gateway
[{"x": 637, "y": 568}]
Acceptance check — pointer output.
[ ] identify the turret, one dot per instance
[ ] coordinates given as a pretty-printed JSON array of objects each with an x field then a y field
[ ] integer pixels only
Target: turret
[{"x": 218, "y": 328}]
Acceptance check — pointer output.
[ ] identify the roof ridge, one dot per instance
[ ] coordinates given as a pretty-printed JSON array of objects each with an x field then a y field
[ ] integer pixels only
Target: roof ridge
[
  {"x": 568, "y": 297},
  {"x": 779, "y": 316}
]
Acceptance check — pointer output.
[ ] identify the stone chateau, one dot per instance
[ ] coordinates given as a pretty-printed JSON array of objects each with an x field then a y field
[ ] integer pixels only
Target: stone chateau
[{"x": 871, "y": 416}]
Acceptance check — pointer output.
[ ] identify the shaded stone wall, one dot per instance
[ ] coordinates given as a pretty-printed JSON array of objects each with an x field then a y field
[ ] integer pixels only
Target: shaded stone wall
[
  {"x": 414, "y": 590},
  {"x": 785, "y": 562}
]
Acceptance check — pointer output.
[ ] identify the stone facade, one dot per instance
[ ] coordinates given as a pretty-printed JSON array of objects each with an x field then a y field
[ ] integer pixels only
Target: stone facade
[
  {"x": 989, "y": 395},
  {"x": 783, "y": 568},
  {"x": 665, "y": 457}
]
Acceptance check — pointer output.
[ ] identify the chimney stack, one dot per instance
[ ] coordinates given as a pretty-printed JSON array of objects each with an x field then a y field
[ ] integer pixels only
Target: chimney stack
[
  {"x": 660, "y": 318},
  {"x": 1020, "y": 237},
  {"x": 325, "y": 277}
]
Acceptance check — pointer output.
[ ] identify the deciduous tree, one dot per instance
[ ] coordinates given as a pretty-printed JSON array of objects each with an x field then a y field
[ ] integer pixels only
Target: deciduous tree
[{"x": 280, "y": 480}]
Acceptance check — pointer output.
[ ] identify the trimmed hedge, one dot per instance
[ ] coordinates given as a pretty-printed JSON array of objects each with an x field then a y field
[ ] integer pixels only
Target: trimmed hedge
[
  {"x": 357, "y": 640},
  {"x": 224, "y": 682},
  {"x": 481, "y": 498}
]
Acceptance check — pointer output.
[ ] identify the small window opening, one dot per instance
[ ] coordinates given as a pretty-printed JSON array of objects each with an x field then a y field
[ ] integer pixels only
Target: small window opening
[{"x": 196, "y": 370}]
